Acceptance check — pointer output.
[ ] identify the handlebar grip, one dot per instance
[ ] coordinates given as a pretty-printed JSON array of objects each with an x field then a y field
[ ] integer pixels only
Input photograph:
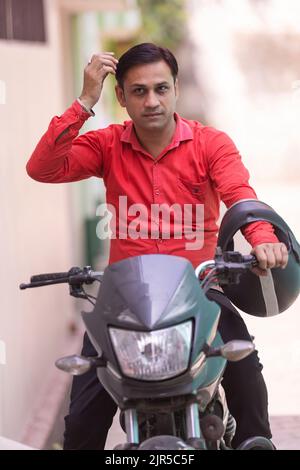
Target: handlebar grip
[
  {"x": 251, "y": 259},
  {"x": 49, "y": 277}
]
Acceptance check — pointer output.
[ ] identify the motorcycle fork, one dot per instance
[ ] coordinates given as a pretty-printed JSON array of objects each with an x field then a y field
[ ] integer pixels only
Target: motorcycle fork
[
  {"x": 192, "y": 420},
  {"x": 194, "y": 434},
  {"x": 131, "y": 426}
]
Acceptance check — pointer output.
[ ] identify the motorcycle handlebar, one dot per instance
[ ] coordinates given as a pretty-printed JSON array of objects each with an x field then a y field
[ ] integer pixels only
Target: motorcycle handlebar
[
  {"x": 227, "y": 266},
  {"x": 75, "y": 276},
  {"x": 48, "y": 277},
  {"x": 236, "y": 260},
  {"x": 249, "y": 259},
  {"x": 228, "y": 262}
]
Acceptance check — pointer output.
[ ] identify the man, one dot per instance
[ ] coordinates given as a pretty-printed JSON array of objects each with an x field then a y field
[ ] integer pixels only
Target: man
[{"x": 156, "y": 158}]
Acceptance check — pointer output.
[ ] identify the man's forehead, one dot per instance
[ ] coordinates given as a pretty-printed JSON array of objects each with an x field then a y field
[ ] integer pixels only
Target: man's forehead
[{"x": 149, "y": 74}]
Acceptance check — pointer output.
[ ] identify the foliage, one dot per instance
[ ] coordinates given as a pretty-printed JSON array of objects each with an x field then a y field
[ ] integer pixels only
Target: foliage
[{"x": 163, "y": 22}]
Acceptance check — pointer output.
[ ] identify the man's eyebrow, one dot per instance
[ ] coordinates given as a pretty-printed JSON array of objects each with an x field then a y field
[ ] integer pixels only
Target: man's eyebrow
[{"x": 142, "y": 85}]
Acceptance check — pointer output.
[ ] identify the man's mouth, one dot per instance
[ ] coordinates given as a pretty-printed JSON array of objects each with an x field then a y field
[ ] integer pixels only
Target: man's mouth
[{"x": 152, "y": 114}]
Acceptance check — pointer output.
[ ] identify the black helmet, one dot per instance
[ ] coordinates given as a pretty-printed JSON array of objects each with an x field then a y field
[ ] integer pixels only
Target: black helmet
[{"x": 257, "y": 295}]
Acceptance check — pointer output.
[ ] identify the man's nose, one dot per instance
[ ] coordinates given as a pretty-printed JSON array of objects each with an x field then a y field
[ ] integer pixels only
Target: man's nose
[{"x": 152, "y": 100}]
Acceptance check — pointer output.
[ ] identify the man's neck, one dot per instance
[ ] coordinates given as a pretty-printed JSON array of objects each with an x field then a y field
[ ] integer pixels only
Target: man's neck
[{"x": 156, "y": 140}]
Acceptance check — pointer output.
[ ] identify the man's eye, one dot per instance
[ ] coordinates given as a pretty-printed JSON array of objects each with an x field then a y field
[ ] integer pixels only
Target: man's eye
[
  {"x": 138, "y": 91},
  {"x": 162, "y": 88}
]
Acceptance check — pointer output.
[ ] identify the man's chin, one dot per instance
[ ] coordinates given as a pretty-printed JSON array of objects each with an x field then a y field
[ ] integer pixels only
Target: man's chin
[
  {"x": 155, "y": 125},
  {"x": 158, "y": 122}
]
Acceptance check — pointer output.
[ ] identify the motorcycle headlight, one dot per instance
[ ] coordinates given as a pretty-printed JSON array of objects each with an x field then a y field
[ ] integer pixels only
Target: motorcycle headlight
[{"x": 154, "y": 355}]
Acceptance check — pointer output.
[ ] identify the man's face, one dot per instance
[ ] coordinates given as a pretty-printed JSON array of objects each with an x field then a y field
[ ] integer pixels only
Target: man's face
[{"x": 149, "y": 95}]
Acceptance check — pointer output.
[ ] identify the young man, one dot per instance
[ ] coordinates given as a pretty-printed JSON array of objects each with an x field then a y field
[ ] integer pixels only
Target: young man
[{"x": 156, "y": 158}]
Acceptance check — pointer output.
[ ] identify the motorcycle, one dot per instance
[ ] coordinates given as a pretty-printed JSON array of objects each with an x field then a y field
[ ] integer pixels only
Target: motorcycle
[{"x": 160, "y": 356}]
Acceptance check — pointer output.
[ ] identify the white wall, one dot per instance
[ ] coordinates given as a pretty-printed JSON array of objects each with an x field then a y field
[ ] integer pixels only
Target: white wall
[
  {"x": 35, "y": 233},
  {"x": 41, "y": 226},
  {"x": 247, "y": 62}
]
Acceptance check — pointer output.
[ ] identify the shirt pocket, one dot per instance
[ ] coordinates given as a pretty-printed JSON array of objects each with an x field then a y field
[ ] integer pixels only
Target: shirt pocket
[{"x": 194, "y": 192}]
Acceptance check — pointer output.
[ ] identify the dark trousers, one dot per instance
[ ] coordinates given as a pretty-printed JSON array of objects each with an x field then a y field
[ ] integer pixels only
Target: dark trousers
[{"x": 92, "y": 409}]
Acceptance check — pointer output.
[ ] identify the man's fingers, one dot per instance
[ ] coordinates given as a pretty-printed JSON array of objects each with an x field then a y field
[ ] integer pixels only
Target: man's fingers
[
  {"x": 98, "y": 65},
  {"x": 108, "y": 69},
  {"x": 104, "y": 63},
  {"x": 278, "y": 255},
  {"x": 285, "y": 255},
  {"x": 271, "y": 255},
  {"x": 108, "y": 57},
  {"x": 261, "y": 256},
  {"x": 98, "y": 58}
]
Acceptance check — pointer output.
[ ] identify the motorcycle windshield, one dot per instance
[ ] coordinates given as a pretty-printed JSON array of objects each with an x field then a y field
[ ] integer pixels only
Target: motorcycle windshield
[{"x": 150, "y": 292}]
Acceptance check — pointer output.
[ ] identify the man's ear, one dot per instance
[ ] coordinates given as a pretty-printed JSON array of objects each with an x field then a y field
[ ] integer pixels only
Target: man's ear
[
  {"x": 176, "y": 86},
  {"x": 120, "y": 95}
]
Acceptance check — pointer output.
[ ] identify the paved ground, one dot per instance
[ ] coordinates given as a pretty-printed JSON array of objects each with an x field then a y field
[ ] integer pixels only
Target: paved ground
[
  {"x": 8, "y": 444},
  {"x": 285, "y": 428},
  {"x": 286, "y": 433}
]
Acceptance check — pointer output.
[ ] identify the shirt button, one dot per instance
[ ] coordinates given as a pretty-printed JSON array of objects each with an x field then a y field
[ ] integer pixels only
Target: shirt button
[{"x": 157, "y": 192}]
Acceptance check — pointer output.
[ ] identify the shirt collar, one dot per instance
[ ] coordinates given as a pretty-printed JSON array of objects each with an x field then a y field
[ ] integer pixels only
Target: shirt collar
[{"x": 182, "y": 132}]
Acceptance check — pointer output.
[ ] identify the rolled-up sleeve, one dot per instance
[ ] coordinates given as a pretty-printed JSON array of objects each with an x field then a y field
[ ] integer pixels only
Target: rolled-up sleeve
[{"x": 61, "y": 156}]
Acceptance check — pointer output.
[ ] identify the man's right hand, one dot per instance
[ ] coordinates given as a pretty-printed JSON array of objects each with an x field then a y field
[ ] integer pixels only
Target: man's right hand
[{"x": 95, "y": 73}]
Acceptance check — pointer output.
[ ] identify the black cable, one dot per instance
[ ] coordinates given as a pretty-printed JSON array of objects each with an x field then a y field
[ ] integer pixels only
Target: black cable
[{"x": 89, "y": 297}]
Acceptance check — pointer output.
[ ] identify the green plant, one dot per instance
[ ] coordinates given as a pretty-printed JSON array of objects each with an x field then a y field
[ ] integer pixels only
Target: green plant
[{"x": 163, "y": 22}]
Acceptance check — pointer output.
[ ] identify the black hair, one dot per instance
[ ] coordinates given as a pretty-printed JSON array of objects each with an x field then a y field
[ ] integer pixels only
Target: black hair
[{"x": 145, "y": 53}]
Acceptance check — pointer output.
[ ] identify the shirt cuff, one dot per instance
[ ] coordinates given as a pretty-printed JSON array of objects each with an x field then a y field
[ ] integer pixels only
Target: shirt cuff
[
  {"x": 259, "y": 232},
  {"x": 89, "y": 111}
]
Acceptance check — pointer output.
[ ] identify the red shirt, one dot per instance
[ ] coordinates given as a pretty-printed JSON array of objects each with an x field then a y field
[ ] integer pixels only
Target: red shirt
[{"x": 200, "y": 166}]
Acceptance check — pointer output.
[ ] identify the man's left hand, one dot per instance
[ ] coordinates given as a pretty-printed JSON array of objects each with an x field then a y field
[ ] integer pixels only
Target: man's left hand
[{"x": 270, "y": 255}]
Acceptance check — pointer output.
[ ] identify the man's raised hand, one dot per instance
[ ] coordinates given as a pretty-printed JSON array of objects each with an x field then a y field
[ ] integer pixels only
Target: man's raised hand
[{"x": 95, "y": 73}]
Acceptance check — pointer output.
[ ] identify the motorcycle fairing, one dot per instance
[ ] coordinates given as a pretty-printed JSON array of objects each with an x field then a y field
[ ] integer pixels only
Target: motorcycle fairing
[{"x": 146, "y": 293}]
